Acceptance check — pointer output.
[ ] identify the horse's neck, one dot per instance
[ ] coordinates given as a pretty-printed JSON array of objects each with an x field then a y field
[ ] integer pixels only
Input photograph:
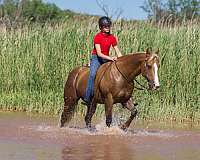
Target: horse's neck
[{"x": 130, "y": 65}]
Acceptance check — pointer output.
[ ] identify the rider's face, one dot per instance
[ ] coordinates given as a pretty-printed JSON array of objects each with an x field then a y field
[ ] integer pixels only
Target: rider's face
[{"x": 105, "y": 29}]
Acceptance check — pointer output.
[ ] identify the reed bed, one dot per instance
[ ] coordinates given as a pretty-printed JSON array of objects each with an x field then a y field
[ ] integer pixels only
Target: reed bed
[{"x": 35, "y": 61}]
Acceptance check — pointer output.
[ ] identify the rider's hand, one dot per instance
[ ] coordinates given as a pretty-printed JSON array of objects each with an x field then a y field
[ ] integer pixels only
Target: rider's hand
[{"x": 113, "y": 58}]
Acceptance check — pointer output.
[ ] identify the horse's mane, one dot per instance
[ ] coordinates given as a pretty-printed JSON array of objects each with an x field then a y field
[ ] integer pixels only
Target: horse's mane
[{"x": 136, "y": 56}]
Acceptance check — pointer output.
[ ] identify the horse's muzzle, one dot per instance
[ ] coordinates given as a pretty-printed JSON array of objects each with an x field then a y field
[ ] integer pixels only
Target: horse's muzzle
[
  {"x": 156, "y": 87},
  {"x": 152, "y": 86}
]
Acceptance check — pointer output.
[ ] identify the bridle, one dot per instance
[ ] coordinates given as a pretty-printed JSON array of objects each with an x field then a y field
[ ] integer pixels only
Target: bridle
[{"x": 131, "y": 82}]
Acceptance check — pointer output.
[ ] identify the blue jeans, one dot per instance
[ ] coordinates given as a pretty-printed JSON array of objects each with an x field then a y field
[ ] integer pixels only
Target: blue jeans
[{"x": 95, "y": 63}]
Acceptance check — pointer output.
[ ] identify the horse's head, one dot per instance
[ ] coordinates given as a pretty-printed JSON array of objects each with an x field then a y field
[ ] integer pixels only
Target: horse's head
[{"x": 149, "y": 69}]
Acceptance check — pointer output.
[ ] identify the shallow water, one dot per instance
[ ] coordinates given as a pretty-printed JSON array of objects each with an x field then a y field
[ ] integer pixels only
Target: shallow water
[{"x": 33, "y": 137}]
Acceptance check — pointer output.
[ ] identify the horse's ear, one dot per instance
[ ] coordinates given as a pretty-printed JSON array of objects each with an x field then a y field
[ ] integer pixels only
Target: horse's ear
[
  {"x": 157, "y": 52},
  {"x": 148, "y": 51}
]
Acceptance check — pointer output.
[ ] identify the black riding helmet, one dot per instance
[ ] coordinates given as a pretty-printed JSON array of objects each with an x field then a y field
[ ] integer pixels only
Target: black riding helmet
[{"x": 104, "y": 22}]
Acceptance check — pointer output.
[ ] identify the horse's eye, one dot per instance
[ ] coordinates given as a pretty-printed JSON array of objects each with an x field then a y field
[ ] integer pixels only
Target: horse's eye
[{"x": 149, "y": 66}]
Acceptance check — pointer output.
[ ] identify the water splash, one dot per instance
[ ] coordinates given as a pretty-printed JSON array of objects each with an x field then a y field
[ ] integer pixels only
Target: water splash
[
  {"x": 99, "y": 129},
  {"x": 102, "y": 129}
]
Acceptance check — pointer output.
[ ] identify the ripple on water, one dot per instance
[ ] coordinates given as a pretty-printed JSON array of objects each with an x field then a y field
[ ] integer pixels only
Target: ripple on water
[{"x": 156, "y": 133}]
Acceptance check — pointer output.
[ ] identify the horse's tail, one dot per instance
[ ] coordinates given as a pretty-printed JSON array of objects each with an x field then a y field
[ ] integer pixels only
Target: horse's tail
[{"x": 70, "y": 97}]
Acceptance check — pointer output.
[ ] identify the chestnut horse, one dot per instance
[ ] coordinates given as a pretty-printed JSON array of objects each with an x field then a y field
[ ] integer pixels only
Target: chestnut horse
[{"x": 113, "y": 84}]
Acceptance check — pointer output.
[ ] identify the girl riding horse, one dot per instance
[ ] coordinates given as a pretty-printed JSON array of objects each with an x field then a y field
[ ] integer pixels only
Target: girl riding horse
[
  {"x": 114, "y": 83},
  {"x": 100, "y": 54}
]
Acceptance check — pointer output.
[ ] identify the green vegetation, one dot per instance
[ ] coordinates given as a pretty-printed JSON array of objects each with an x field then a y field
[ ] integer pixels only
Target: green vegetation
[
  {"x": 41, "y": 44},
  {"x": 20, "y": 12},
  {"x": 35, "y": 61},
  {"x": 172, "y": 10}
]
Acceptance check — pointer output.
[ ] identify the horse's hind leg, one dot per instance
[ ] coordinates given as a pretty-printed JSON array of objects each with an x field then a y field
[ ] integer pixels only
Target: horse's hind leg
[{"x": 132, "y": 108}]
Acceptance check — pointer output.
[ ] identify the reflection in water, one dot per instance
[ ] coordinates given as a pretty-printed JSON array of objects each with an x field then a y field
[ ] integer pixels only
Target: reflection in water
[
  {"x": 24, "y": 137},
  {"x": 108, "y": 148}
]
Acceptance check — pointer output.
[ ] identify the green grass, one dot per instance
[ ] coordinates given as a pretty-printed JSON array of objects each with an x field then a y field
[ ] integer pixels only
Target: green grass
[{"x": 36, "y": 60}]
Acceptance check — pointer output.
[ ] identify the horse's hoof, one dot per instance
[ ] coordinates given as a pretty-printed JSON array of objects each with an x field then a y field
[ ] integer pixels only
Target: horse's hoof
[
  {"x": 85, "y": 103},
  {"x": 88, "y": 126},
  {"x": 60, "y": 124},
  {"x": 91, "y": 129},
  {"x": 123, "y": 127}
]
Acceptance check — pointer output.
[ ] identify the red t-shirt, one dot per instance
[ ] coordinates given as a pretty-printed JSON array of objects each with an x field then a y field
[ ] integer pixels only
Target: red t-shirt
[{"x": 105, "y": 41}]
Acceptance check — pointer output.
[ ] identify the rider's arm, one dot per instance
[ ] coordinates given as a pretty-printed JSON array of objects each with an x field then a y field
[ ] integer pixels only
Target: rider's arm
[
  {"x": 98, "y": 49},
  {"x": 117, "y": 51}
]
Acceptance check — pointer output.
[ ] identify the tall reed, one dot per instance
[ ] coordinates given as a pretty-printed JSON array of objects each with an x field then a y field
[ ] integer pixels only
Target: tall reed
[{"x": 35, "y": 61}]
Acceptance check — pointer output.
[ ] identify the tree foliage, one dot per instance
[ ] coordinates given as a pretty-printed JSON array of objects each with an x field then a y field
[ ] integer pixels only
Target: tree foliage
[
  {"x": 31, "y": 10},
  {"x": 175, "y": 9},
  {"x": 38, "y": 11}
]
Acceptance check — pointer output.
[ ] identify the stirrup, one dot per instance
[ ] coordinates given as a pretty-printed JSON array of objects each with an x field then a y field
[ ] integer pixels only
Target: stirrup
[{"x": 84, "y": 102}]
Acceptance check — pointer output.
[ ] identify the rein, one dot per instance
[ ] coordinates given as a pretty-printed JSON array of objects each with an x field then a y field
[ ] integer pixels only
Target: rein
[
  {"x": 130, "y": 82},
  {"x": 143, "y": 87}
]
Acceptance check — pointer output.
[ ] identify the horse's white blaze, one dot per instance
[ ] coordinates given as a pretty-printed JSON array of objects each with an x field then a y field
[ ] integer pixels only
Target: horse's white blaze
[{"x": 156, "y": 81}]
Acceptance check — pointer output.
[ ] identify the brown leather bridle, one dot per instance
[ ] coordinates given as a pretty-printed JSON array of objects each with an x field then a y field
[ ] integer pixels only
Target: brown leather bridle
[{"x": 131, "y": 82}]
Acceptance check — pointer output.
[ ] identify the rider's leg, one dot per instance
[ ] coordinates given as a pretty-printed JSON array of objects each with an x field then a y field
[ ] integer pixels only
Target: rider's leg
[{"x": 94, "y": 65}]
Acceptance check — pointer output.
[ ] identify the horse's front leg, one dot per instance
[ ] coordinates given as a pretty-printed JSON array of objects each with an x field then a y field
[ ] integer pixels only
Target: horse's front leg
[
  {"x": 90, "y": 112},
  {"x": 108, "y": 109},
  {"x": 87, "y": 121},
  {"x": 130, "y": 105}
]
